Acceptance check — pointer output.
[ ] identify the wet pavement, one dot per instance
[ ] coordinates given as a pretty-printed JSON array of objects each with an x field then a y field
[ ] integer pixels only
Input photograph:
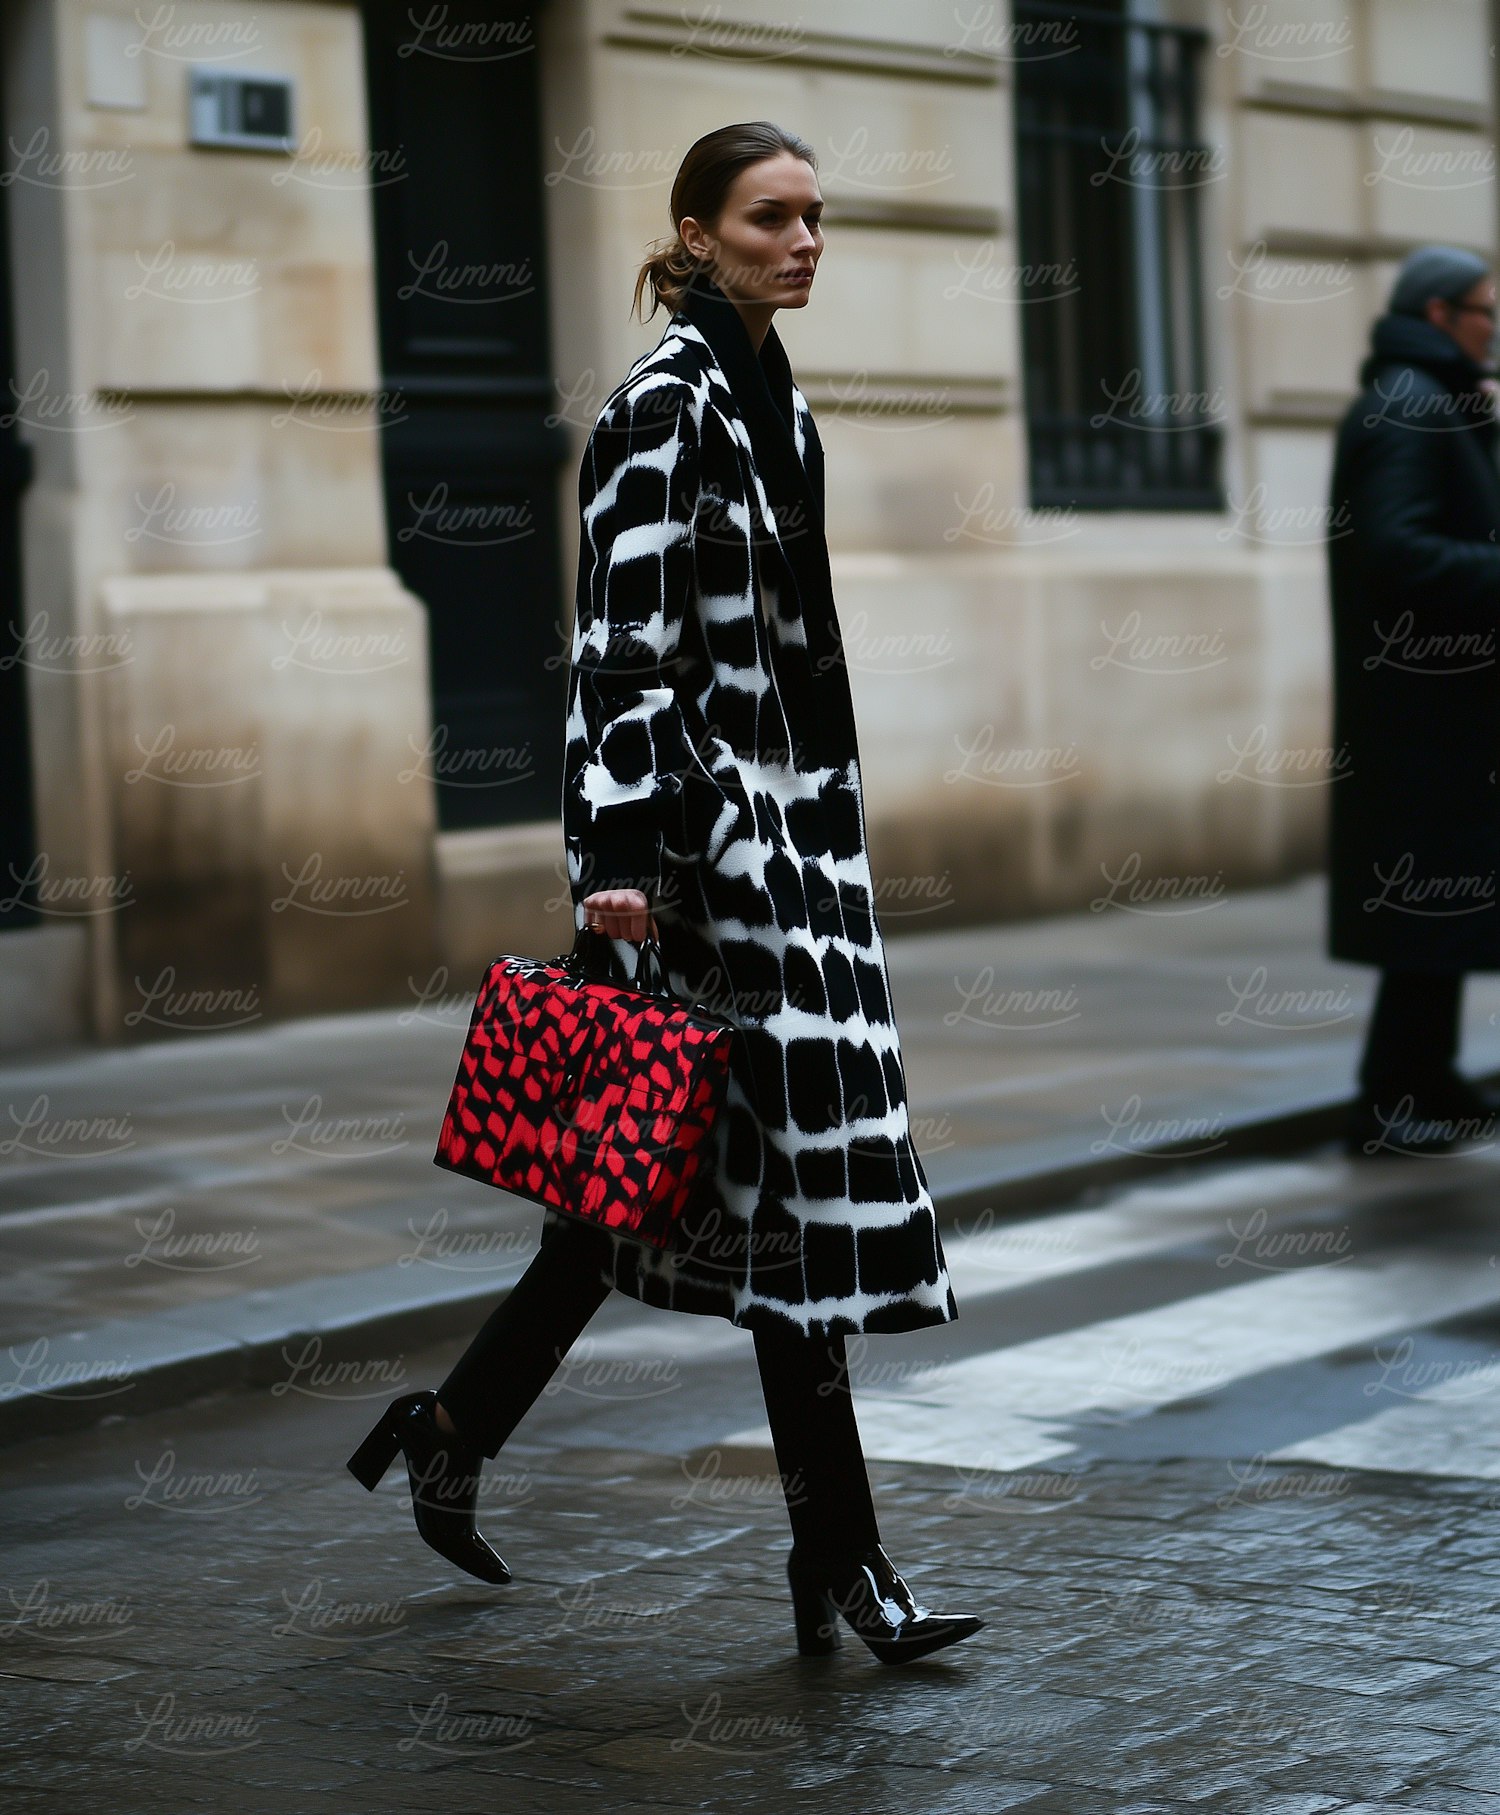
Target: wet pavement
[
  {"x": 1215, "y": 1453},
  {"x": 1217, "y": 1458},
  {"x": 191, "y": 1213}
]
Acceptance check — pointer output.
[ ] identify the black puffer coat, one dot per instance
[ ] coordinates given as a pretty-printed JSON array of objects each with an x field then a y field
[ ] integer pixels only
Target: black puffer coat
[{"x": 1414, "y": 572}]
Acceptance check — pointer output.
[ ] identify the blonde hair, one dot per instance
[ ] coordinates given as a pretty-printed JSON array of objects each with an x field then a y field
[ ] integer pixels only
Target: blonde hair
[{"x": 699, "y": 189}]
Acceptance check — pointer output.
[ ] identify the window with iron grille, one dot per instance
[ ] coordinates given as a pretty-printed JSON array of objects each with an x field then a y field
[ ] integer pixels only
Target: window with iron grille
[{"x": 1110, "y": 176}]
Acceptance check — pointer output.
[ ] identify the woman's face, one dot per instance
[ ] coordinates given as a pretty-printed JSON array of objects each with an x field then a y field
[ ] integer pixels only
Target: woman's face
[{"x": 766, "y": 243}]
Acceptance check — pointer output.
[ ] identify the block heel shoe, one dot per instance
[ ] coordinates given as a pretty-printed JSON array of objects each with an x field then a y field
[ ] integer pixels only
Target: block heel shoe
[
  {"x": 865, "y": 1588},
  {"x": 443, "y": 1471}
]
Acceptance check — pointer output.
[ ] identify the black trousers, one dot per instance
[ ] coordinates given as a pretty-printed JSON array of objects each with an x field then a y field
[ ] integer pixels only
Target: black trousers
[
  {"x": 1412, "y": 1040},
  {"x": 804, "y": 1381}
]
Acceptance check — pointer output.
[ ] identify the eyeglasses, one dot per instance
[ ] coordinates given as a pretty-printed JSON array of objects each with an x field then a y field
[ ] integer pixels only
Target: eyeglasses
[{"x": 1475, "y": 308}]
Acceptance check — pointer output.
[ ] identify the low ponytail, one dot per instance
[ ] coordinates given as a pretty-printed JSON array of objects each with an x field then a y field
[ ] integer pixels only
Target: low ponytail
[{"x": 668, "y": 268}]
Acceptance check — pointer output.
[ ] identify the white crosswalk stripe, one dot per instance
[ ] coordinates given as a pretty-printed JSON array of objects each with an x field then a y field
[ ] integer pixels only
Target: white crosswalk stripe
[
  {"x": 1034, "y": 1402},
  {"x": 986, "y": 1255},
  {"x": 1450, "y": 1428}
]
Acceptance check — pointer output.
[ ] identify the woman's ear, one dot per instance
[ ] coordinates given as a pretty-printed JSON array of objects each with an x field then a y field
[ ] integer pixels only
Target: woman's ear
[{"x": 692, "y": 235}]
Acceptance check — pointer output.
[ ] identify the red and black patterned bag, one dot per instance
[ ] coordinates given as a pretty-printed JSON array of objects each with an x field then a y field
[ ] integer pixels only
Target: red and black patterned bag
[{"x": 593, "y": 1097}]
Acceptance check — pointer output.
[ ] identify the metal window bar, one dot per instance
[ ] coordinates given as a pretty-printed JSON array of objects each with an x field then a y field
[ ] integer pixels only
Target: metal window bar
[{"x": 1110, "y": 168}]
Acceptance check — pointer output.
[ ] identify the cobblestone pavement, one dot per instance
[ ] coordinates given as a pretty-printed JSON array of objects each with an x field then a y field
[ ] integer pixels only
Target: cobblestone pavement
[
  {"x": 1217, "y": 1457},
  {"x": 201, "y": 1609}
]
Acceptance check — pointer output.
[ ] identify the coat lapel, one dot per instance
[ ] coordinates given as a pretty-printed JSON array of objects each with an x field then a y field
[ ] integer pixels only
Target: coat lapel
[
  {"x": 762, "y": 389},
  {"x": 812, "y": 667}
]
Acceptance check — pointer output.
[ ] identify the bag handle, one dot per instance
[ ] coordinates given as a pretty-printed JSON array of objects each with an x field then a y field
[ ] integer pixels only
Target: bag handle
[{"x": 594, "y": 953}]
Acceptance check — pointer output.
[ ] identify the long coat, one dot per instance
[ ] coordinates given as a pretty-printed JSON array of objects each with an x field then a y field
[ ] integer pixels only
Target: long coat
[
  {"x": 1414, "y": 573},
  {"x": 710, "y": 760}
]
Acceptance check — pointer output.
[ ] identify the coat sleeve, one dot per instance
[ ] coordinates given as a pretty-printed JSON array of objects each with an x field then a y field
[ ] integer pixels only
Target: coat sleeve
[
  {"x": 1396, "y": 505},
  {"x": 628, "y": 744}
]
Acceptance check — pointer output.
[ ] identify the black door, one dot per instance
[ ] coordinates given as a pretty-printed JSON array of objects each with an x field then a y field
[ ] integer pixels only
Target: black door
[
  {"x": 471, "y": 465},
  {"x": 17, "y": 825}
]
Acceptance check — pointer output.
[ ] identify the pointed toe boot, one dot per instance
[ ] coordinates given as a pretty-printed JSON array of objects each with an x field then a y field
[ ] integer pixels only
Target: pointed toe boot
[
  {"x": 443, "y": 1471},
  {"x": 865, "y": 1588}
]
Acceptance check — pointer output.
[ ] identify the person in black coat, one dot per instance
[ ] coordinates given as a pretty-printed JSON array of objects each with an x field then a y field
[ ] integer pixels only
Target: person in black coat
[{"x": 1414, "y": 573}]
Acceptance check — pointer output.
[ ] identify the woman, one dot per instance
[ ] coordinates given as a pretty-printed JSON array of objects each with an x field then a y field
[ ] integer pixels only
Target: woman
[{"x": 711, "y": 799}]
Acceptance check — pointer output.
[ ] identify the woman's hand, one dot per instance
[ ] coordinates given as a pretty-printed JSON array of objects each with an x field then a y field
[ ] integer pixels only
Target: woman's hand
[{"x": 619, "y": 913}]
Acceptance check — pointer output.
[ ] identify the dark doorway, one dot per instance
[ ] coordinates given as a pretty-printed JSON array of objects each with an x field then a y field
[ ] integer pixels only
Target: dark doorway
[
  {"x": 470, "y": 460},
  {"x": 17, "y": 822}
]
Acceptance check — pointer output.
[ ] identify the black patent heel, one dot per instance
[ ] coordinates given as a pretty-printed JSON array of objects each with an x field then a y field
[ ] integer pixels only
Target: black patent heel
[
  {"x": 813, "y": 1610},
  {"x": 865, "y": 1587},
  {"x": 443, "y": 1472},
  {"x": 376, "y": 1454}
]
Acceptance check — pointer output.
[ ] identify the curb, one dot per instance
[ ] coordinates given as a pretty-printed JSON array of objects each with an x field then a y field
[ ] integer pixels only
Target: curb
[{"x": 259, "y": 1340}]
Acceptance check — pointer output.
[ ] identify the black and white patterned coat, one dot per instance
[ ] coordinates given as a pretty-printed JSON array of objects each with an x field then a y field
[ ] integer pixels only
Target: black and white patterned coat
[{"x": 711, "y": 761}]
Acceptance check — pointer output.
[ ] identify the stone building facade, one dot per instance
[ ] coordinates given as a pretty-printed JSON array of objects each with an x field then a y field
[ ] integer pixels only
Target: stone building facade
[{"x": 310, "y": 306}]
